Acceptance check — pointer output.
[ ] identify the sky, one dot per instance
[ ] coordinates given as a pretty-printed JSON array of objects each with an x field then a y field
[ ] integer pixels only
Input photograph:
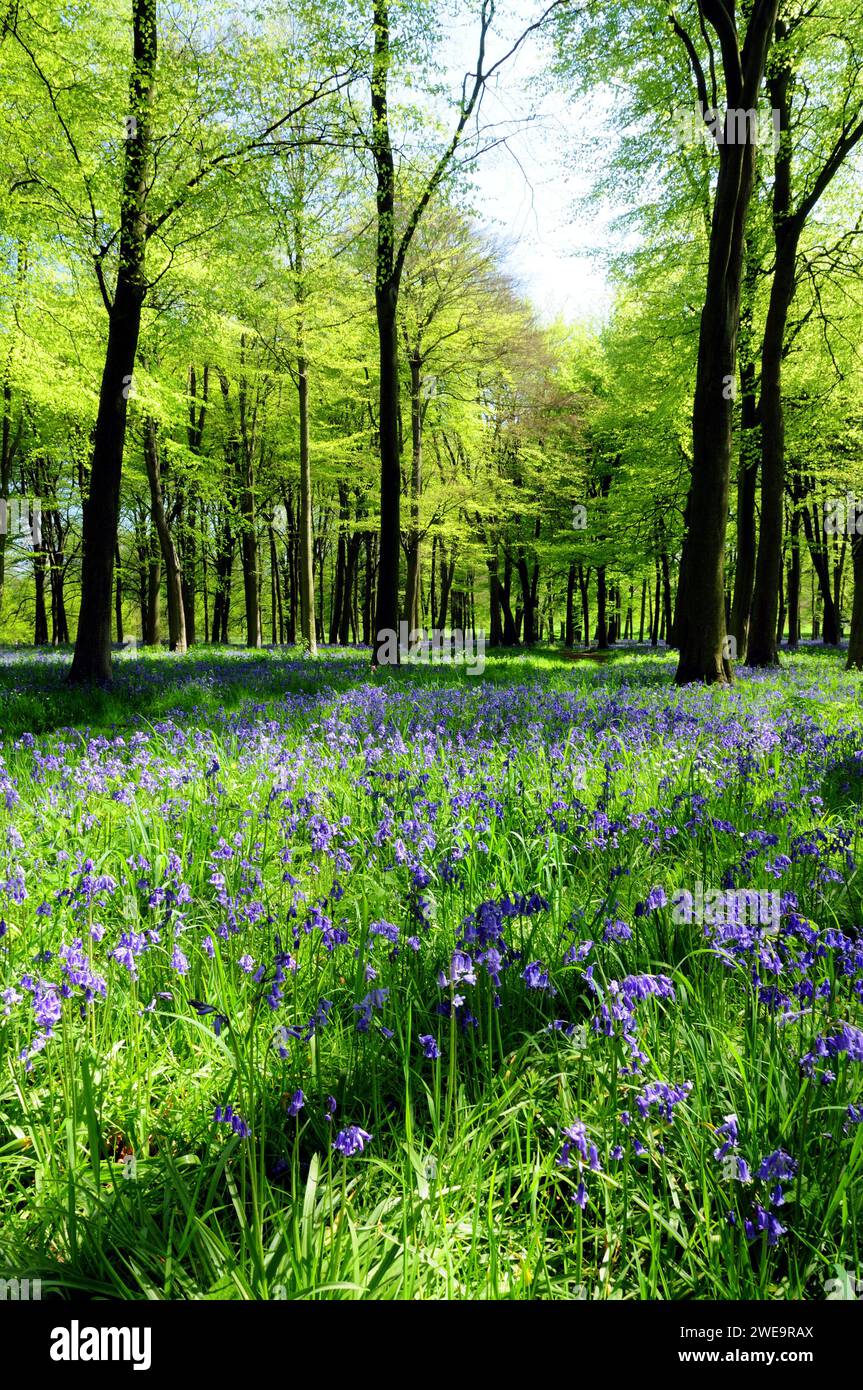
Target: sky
[{"x": 528, "y": 192}]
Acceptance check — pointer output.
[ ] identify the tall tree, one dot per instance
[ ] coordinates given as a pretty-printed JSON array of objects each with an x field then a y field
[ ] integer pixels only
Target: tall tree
[
  {"x": 170, "y": 558},
  {"x": 702, "y": 628},
  {"x": 390, "y": 252},
  {"x": 92, "y": 659},
  {"x": 142, "y": 182},
  {"x": 789, "y": 220}
]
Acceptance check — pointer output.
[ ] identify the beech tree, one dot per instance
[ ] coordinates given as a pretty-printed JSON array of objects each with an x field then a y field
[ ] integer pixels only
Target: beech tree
[
  {"x": 149, "y": 206},
  {"x": 391, "y": 250},
  {"x": 740, "y": 60},
  {"x": 838, "y": 129}
]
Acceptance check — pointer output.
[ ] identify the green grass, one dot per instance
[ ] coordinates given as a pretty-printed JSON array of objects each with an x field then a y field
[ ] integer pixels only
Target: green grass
[{"x": 459, "y": 1193}]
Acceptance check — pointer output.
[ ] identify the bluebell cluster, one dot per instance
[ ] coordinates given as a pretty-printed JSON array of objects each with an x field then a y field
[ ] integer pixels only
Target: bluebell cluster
[{"x": 326, "y": 911}]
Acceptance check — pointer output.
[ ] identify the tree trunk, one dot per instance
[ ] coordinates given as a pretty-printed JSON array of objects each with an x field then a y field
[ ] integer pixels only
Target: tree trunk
[
  {"x": 188, "y": 554},
  {"x": 386, "y": 307},
  {"x": 186, "y": 510},
  {"x": 821, "y": 571},
  {"x": 8, "y": 448},
  {"x": 413, "y": 542},
  {"x": 665, "y": 568},
  {"x": 368, "y": 589},
  {"x": 55, "y": 540},
  {"x": 204, "y": 578},
  {"x": 447, "y": 573},
  {"x": 527, "y": 601},
  {"x": 308, "y": 633},
  {"x": 9, "y": 441},
  {"x": 118, "y": 602},
  {"x": 584, "y": 589},
  {"x": 151, "y": 635},
  {"x": 352, "y": 555},
  {"x": 702, "y": 636},
  {"x": 762, "y": 649},
  {"x": 92, "y": 658},
  {"x": 788, "y": 225},
  {"x": 569, "y": 631},
  {"x": 601, "y": 599},
  {"x": 170, "y": 558},
  {"x": 838, "y": 572},
  {"x": 339, "y": 576},
  {"x": 40, "y": 569},
  {"x": 496, "y": 635},
  {"x": 509, "y": 636},
  {"x": 249, "y": 555},
  {"x": 614, "y": 624},
  {"x": 224, "y": 565},
  {"x": 855, "y": 637},
  {"x": 747, "y": 471},
  {"x": 794, "y": 571},
  {"x": 240, "y": 448}
]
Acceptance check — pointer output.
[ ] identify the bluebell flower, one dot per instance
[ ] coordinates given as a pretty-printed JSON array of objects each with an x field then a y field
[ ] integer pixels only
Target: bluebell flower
[
  {"x": 351, "y": 1140},
  {"x": 536, "y": 978},
  {"x": 375, "y": 999},
  {"x": 655, "y": 899},
  {"x": 729, "y": 1131},
  {"x": 179, "y": 961},
  {"x": 764, "y": 1221},
  {"x": 663, "y": 1096},
  {"x": 229, "y": 1116},
  {"x": 461, "y": 971},
  {"x": 616, "y": 931},
  {"x": 777, "y": 1166},
  {"x": 385, "y": 929},
  {"x": 576, "y": 1139}
]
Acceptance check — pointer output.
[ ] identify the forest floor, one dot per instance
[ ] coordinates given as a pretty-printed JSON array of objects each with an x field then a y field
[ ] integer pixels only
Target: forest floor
[{"x": 318, "y": 983}]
